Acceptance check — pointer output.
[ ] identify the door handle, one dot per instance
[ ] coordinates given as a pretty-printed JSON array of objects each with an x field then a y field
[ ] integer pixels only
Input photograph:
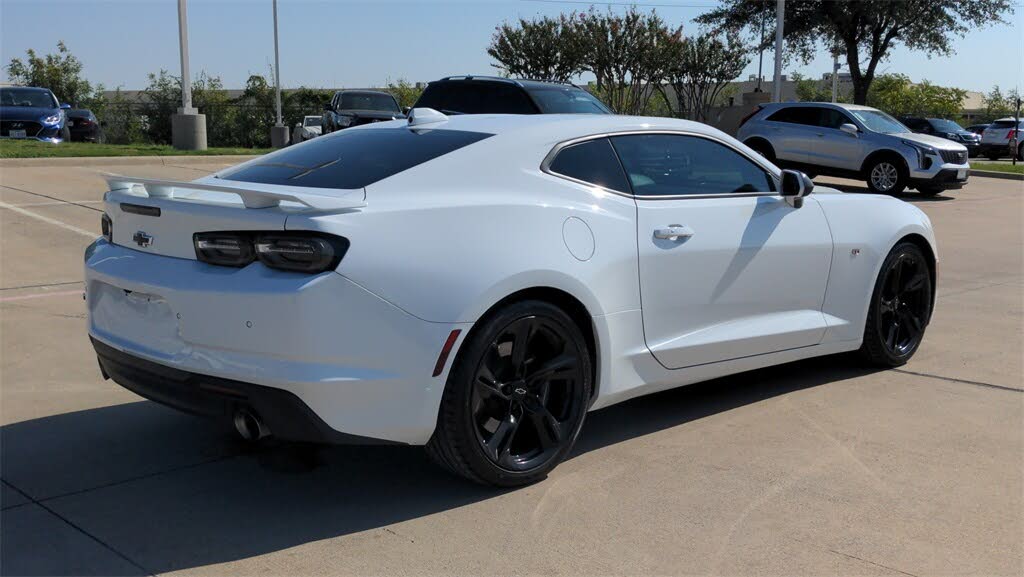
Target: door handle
[{"x": 673, "y": 232}]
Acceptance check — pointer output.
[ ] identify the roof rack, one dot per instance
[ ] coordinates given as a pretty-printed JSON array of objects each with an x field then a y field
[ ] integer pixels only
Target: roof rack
[{"x": 480, "y": 77}]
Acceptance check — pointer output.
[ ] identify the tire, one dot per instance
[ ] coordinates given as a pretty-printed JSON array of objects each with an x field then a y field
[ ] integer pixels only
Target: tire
[
  {"x": 65, "y": 134},
  {"x": 763, "y": 148},
  {"x": 992, "y": 156},
  {"x": 900, "y": 308},
  {"x": 929, "y": 190},
  {"x": 1020, "y": 152},
  {"x": 497, "y": 425},
  {"x": 886, "y": 175}
]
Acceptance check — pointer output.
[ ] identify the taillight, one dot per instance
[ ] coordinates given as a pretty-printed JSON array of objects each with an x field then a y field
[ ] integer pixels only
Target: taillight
[
  {"x": 295, "y": 252},
  {"x": 309, "y": 254},
  {"x": 107, "y": 228},
  {"x": 1011, "y": 134},
  {"x": 224, "y": 248}
]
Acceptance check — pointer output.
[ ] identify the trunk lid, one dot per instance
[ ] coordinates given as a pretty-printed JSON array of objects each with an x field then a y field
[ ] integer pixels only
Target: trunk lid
[{"x": 160, "y": 216}]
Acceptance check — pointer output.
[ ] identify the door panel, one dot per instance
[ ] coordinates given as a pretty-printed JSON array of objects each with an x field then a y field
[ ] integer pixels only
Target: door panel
[
  {"x": 833, "y": 147},
  {"x": 748, "y": 278}
]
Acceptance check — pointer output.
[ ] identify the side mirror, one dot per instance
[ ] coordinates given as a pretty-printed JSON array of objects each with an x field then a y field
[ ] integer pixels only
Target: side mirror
[
  {"x": 327, "y": 107},
  {"x": 65, "y": 106},
  {"x": 850, "y": 129},
  {"x": 406, "y": 109},
  {"x": 795, "y": 186}
]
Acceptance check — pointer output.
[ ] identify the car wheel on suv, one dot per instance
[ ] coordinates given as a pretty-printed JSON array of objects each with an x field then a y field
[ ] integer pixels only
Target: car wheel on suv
[
  {"x": 886, "y": 175},
  {"x": 763, "y": 148}
]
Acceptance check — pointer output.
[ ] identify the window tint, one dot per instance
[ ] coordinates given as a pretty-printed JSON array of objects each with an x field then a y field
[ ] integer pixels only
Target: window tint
[
  {"x": 914, "y": 123},
  {"x": 832, "y": 118},
  {"x": 353, "y": 158},
  {"x": 476, "y": 98},
  {"x": 1003, "y": 124},
  {"x": 567, "y": 100},
  {"x": 367, "y": 101},
  {"x": 668, "y": 164},
  {"x": 796, "y": 115},
  {"x": 592, "y": 161},
  {"x": 27, "y": 97}
]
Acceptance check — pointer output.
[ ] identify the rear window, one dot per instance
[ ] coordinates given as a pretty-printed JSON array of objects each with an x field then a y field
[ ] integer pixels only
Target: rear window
[
  {"x": 476, "y": 98},
  {"x": 353, "y": 158},
  {"x": 567, "y": 100},
  {"x": 1003, "y": 124},
  {"x": 796, "y": 115}
]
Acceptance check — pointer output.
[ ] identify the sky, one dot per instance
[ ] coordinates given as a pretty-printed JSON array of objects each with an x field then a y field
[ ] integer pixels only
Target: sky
[{"x": 351, "y": 43}]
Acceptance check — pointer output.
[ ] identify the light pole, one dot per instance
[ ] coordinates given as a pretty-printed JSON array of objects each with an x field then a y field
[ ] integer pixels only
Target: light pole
[
  {"x": 279, "y": 133},
  {"x": 835, "y": 71},
  {"x": 780, "y": 11},
  {"x": 188, "y": 127}
]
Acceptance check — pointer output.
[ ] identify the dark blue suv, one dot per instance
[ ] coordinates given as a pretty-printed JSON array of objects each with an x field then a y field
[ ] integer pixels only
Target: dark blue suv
[{"x": 32, "y": 113}]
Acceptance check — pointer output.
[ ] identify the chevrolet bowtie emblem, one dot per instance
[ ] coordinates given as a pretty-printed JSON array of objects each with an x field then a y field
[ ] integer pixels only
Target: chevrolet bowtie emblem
[{"x": 142, "y": 239}]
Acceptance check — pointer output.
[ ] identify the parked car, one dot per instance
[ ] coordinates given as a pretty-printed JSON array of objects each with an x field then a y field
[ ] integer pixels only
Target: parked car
[
  {"x": 308, "y": 129},
  {"x": 491, "y": 95},
  {"x": 84, "y": 127},
  {"x": 356, "y": 107},
  {"x": 472, "y": 283},
  {"x": 978, "y": 128},
  {"x": 27, "y": 112},
  {"x": 996, "y": 140},
  {"x": 945, "y": 129},
  {"x": 854, "y": 141}
]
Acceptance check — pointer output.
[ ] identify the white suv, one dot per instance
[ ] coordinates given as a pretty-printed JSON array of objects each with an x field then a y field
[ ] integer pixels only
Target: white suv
[
  {"x": 995, "y": 141},
  {"x": 854, "y": 141}
]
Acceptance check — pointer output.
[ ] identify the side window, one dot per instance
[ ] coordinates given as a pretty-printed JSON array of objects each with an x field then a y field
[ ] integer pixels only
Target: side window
[
  {"x": 669, "y": 164},
  {"x": 831, "y": 118},
  {"x": 796, "y": 115},
  {"x": 592, "y": 161}
]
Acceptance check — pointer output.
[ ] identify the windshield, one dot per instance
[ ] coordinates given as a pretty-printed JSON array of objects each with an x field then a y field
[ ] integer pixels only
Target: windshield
[
  {"x": 567, "y": 100},
  {"x": 27, "y": 97},
  {"x": 368, "y": 101},
  {"x": 878, "y": 121},
  {"x": 943, "y": 125},
  {"x": 312, "y": 121}
]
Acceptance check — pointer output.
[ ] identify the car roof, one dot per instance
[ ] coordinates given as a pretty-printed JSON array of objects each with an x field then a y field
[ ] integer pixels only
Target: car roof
[
  {"x": 774, "y": 105},
  {"x": 363, "y": 92},
  {"x": 520, "y": 82}
]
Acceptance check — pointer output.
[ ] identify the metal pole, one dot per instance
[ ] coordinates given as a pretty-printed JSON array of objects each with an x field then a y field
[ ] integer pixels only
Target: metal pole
[
  {"x": 780, "y": 11},
  {"x": 186, "y": 78},
  {"x": 760, "y": 54},
  {"x": 1016, "y": 132},
  {"x": 277, "y": 70},
  {"x": 835, "y": 72}
]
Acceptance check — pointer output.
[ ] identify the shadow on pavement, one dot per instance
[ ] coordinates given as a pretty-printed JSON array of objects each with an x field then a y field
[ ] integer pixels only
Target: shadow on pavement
[
  {"x": 172, "y": 492},
  {"x": 908, "y": 196}
]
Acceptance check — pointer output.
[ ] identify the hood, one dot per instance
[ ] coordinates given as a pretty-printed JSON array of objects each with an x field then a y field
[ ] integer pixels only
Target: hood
[
  {"x": 26, "y": 113},
  {"x": 933, "y": 141},
  {"x": 373, "y": 114}
]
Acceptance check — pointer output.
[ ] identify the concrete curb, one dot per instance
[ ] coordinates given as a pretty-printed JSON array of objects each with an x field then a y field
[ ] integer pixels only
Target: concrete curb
[
  {"x": 176, "y": 160},
  {"x": 995, "y": 174}
]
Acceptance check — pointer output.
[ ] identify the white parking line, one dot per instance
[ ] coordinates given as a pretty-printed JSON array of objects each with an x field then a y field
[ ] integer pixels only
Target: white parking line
[
  {"x": 56, "y": 203},
  {"x": 48, "y": 220}
]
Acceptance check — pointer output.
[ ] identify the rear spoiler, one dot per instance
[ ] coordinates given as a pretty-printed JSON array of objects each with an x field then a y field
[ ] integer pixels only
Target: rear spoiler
[{"x": 253, "y": 195}]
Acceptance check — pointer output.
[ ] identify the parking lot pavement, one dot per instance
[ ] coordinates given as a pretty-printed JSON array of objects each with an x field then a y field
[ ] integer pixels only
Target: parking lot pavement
[{"x": 815, "y": 468}]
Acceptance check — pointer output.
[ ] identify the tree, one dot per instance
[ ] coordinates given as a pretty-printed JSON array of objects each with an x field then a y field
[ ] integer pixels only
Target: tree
[
  {"x": 897, "y": 95},
  {"x": 998, "y": 105},
  {"x": 810, "y": 90},
  {"x": 60, "y": 72},
  {"x": 542, "y": 49},
  {"x": 703, "y": 69},
  {"x": 630, "y": 55},
  {"x": 866, "y": 30},
  {"x": 404, "y": 92}
]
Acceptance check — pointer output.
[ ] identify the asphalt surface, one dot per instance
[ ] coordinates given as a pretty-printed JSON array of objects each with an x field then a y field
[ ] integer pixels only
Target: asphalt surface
[{"x": 814, "y": 468}]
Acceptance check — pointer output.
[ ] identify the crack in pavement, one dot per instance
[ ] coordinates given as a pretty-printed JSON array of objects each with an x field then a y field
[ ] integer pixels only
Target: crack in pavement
[
  {"x": 962, "y": 381},
  {"x": 61, "y": 200},
  {"x": 78, "y": 528},
  {"x": 46, "y": 285}
]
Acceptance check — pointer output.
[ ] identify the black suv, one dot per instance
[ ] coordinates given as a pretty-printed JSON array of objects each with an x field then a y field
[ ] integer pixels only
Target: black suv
[
  {"x": 491, "y": 95},
  {"x": 945, "y": 129},
  {"x": 354, "y": 107}
]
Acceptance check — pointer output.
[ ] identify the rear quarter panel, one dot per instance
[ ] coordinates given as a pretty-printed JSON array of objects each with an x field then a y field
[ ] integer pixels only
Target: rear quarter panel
[{"x": 447, "y": 239}]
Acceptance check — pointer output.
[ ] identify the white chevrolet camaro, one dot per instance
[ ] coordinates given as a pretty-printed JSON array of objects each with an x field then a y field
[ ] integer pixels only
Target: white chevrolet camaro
[{"x": 477, "y": 284}]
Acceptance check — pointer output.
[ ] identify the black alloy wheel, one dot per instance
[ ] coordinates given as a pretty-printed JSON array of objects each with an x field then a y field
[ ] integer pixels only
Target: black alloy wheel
[
  {"x": 516, "y": 398},
  {"x": 901, "y": 307}
]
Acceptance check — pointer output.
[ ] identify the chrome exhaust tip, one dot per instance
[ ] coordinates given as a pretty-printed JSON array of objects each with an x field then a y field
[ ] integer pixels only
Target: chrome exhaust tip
[{"x": 249, "y": 426}]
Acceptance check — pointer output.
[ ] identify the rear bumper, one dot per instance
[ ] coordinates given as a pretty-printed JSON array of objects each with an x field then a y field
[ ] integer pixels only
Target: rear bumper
[
  {"x": 987, "y": 148},
  {"x": 362, "y": 365},
  {"x": 284, "y": 414}
]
